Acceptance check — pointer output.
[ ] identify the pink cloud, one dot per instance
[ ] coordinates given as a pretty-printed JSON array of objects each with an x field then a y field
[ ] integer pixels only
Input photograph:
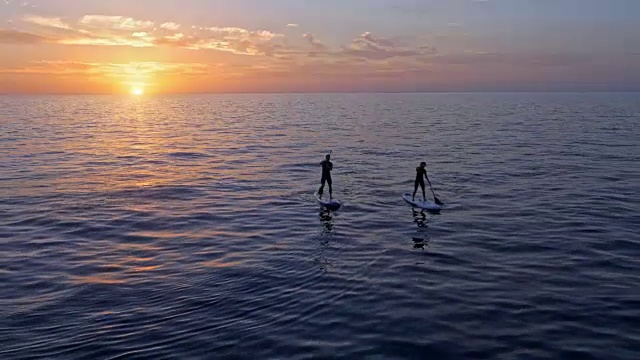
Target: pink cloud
[{"x": 115, "y": 22}]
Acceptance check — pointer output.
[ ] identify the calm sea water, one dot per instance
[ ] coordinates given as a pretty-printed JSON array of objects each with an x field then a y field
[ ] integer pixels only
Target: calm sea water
[{"x": 184, "y": 227}]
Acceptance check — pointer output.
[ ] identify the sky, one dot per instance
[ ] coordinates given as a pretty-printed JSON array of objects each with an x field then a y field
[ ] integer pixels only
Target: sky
[{"x": 195, "y": 46}]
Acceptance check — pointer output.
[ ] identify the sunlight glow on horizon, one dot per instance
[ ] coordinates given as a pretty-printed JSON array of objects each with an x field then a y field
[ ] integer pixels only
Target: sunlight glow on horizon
[
  {"x": 410, "y": 45},
  {"x": 137, "y": 90}
]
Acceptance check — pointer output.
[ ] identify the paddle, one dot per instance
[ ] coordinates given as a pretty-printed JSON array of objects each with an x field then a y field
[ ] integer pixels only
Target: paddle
[
  {"x": 330, "y": 195},
  {"x": 435, "y": 198}
]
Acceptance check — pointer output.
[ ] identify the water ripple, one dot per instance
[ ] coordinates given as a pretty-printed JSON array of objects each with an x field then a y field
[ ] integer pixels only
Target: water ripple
[{"x": 185, "y": 227}]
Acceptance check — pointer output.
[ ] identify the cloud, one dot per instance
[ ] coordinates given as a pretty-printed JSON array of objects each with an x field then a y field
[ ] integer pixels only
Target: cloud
[
  {"x": 229, "y": 39},
  {"x": 151, "y": 68},
  {"x": 103, "y": 30},
  {"x": 369, "y": 38},
  {"x": 94, "y": 30},
  {"x": 123, "y": 71},
  {"x": 175, "y": 40},
  {"x": 315, "y": 44},
  {"x": 133, "y": 40},
  {"x": 115, "y": 22},
  {"x": 292, "y": 25},
  {"x": 170, "y": 26},
  {"x": 369, "y": 46},
  {"x": 20, "y": 37},
  {"x": 240, "y": 33},
  {"x": 52, "y": 22},
  {"x": 106, "y": 30}
]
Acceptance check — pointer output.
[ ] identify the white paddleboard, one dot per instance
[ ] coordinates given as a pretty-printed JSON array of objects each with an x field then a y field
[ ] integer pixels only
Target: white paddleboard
[
  {"x": 331, "y": 205},
  {"x": 427, "y": 205}
]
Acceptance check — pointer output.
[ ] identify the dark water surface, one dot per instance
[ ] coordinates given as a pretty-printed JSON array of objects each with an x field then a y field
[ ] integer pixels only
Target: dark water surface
[{"x": 184, "y": 227}]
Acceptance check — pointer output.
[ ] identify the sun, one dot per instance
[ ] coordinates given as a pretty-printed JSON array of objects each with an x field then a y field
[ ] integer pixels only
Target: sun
[{"x": 137, "y": 90}]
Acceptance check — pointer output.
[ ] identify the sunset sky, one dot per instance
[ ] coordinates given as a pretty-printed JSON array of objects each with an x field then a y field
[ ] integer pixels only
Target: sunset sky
[{"x": 177, "y": 46}]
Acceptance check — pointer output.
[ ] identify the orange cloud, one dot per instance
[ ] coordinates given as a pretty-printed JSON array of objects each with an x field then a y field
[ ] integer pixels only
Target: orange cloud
[
  {"x": 102, "y": 30},
  {"x": 133, "y": 40},
  {"x": 115, "y": 70}
]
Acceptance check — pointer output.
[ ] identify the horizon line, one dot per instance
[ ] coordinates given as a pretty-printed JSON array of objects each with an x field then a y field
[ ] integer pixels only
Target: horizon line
[{"x": 315, "y": 92}]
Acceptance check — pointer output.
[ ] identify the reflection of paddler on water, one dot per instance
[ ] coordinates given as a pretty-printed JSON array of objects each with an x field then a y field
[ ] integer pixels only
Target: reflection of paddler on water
[
  {"x": 326, "y": 218},
  {"x": 420, "y": 218}
]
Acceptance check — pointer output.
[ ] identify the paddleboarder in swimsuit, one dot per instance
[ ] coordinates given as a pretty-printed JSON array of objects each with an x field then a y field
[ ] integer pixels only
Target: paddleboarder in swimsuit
[
  {"x": 421, "y": 173},
  {"x": 327, "y": 166}
]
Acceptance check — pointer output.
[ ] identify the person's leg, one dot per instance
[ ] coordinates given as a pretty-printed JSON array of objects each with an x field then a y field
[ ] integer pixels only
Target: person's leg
[
  {"x": 330, "y": 188},
  {"x": 321, "y": 190},
  {"x": 424, "y": 196},
  {"x": 415, "y": 190}
]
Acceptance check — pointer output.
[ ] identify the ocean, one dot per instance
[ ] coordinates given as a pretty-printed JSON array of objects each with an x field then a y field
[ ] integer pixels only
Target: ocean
[{"x": 185, "y": 227}]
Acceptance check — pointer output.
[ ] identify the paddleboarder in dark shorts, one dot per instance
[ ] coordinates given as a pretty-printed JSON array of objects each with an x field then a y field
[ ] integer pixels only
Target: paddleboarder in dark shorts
[
  {"x": 421, "y": 173},
  {"x": 327, "y": 166}
]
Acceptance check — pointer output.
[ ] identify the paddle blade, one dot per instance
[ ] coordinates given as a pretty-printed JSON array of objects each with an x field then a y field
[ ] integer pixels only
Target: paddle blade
[{"x": 438, "y": 201}]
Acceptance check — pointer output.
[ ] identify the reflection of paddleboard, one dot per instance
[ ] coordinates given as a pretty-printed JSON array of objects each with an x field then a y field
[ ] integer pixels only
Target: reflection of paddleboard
[
  {"x": 427, "y": 205},
  {"x": 331, "y": 205}
]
